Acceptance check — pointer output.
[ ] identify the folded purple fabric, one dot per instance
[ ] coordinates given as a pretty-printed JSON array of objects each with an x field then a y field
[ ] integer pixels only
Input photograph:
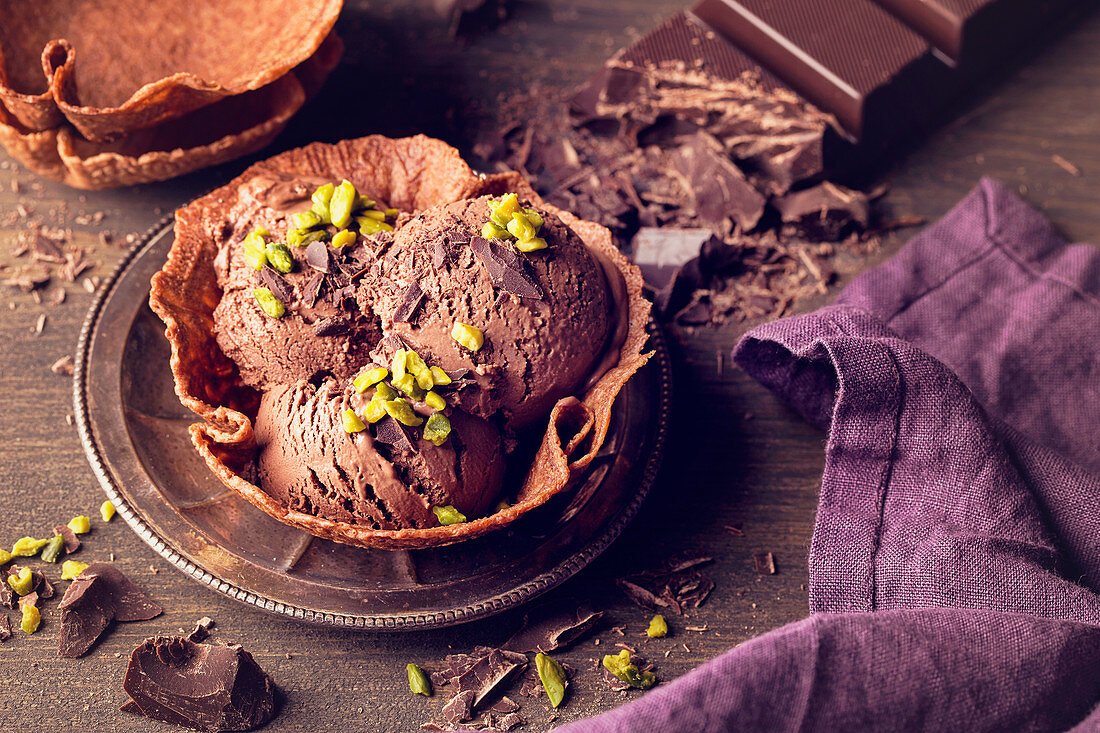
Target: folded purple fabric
[{"x": 955, "y": 560}]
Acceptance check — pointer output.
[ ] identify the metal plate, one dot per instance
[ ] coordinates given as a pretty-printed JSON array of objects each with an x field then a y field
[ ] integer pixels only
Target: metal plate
[{"x": 134, "y": 431}]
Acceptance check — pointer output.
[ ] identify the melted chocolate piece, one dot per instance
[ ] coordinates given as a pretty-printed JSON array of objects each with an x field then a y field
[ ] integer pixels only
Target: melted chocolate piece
[
  {"x": 331, "y": 327},
  {"x": 410, "y": 304},
  {"x": 552, "y": 631},
  {"x": 278, "y": 285},
  {"x": 391, "y": 432},
  {"x": 100, "y": 594},
  {"x": 506, "y": 268},
  {"x": 319, "y": 257},
  {"x": 199, "y": 686},
  {"x": 72, "y": 542}
]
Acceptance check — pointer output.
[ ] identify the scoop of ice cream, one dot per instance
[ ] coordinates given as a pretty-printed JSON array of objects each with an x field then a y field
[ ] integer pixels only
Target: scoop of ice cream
[
  {"x": 386, "y": 476},
  {"x": 322, "y": 331},
  {"x": 545, "y": 315}
]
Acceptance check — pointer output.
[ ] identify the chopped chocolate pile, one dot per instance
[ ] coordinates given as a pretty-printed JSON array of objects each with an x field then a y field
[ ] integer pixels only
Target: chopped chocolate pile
[
  {"x": 672, "y": 155},
  {"x": 99, "y": 595},
  {"x": 677, "y": 586},
  {"x": 201, "y": 686}
]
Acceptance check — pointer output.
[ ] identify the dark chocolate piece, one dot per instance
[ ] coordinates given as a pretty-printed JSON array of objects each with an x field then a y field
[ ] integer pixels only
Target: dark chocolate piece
[
  {"x": 825, "y": 212},
  {"x": 511, "y": 721},
  {"x": 459, "y": 707},
  {"x": 5, "y": 627},
  {"x": 131, "y": 707},
  {"x": 506, "y": 268},
  {"x": 553, "y": 631},
  {"x": 278, "y": 285},
  {"x": 718, "y": 188},
  {"x": 849, "y": 57},
  {"x": 319, "y": 257},
  {"x": 505, "y": 705},
  {"x": 72, "y": 542},
  {"x": 676, "y": 586},
  {"x": 391, "y": 432},
  {"x": 98, "y": 595},
  {"x": 490, "y": 673},
  {"x": 199, "y": 686},
  {"x": 312, "y": 291},
  {"x": 410, "y": 303},
  {"x": 202, "y": 629},
  {"x": 660, "y": 252},
  {"x": 7, "y": 595},
  {"x": 764, "y": 562},
  {"x": 331, "y": 327},
  {"x": 31, "y": 599}
]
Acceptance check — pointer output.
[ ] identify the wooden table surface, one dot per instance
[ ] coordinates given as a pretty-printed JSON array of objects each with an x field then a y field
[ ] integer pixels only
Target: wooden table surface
[{"x": 736, "y": 455}]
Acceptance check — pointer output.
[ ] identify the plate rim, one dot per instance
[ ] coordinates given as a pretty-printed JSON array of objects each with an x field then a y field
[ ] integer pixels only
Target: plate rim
[{"x": 544, "y": 581}]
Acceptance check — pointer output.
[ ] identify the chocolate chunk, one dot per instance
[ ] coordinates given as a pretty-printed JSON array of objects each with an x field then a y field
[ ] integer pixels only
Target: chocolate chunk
[
  {"x": 439, "y": 679},
  {"x": 410, "y": 303},
  {"x": 391, "y": 432},
  {"x": 319, "y": 257},
  {"x": 718, "y": 188},
  {"x": 506, "y": 269},
  {"x": 5, "y": 627},
  {"x": 72, "y": 542},
  {"x": 7, "y": 595},
  {"x": 31, "y": 599},
  {"x": 490, "y": 673},
  {"x": 511, "y": 721},
  {"x": 505, "y": 705},
  {"x": 199, "y": 686},
  {"x": 825, "y": 212},
  {"x": 100, "y": 594},
  {"x": 764, "y": 562},
  {"x": 278, "y": 285},
  {"x": 553, "y": 631},
  {"x": 202, "y": 629},
  {"x": 312, "y": 289},
  {"x": 659, "y": 253},
  {"x": 459, "y": 707},
  {"x": 334, "y": 326}
]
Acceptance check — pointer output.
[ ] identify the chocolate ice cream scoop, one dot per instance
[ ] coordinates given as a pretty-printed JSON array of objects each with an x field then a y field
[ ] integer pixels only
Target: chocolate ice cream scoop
[
  {"x": 546, "y": 316},
  {"x": 386, "y": 476}
]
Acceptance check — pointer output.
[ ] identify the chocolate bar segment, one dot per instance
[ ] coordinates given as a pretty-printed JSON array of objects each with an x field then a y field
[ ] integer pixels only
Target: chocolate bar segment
[{"x": 849, "y": 57}]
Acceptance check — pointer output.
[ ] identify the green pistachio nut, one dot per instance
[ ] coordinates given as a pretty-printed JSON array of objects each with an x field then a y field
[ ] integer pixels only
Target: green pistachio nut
[
  {"x": 53, "y": 548},
  {"x": 80, "y": 525},
  {"x": 362, "y": 202},
  {"x": 351, "y": 422},
  {"x": 500, "y": 212},
  {"x": 415, "y": 363},
  {"x": 370, "y": 226},
  {"x": 408, "y": 385},
  {"x": 434, "y": 401},
  {"x": 307, "y": 220},
  {"x": 532, "y": 245},
  {"x": 107, "y": 511},
  {"x": 440, "y": 377},
  {"x": 437, "y": 429},
  {"x": 448, "y": 515},
  {"x": 383, "y": 391},
  {"x": 28, "y": 546},
  {"x": 367, "y": 378},
  {"x": 268, "y": 303},
  {"x": 343, "y": 238},
  {"x": 534, "y": 217},
  {"x": 521, "y": 228},
  {"x": 391, "y": 214},
  {"x": 301, "y": 238},
  {"x": 489, "y": 230},
  {"x": 374, "y": 214},
  {"x": 342, "y": 204},
  {"x": 322, "y": 197},
  {"x": 5, "y": 557},
  {"x": 402, "y": 412},
  {"x": 31, "y": 618},
  {"x": 469, "y": 336},
  {"x": 279, "y": 257},
  {"x": 22, "y": 581},
  {"x": 70, "y": 569},
  {"x": 621, "y": 666},
  {"x": 658, "y": 627},
  {"x": 502, "y": 505},
  {"x": 418, "y": 681},
  {"x": 398, "y": 364},
  {"x": 553, "y": 678},
  {"x": 255, "y": 250},
  {"x": 374, "y": 411}
]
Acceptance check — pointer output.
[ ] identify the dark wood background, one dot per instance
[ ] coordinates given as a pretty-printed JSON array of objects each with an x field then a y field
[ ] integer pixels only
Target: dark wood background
[{"x": 736, "y": 455}]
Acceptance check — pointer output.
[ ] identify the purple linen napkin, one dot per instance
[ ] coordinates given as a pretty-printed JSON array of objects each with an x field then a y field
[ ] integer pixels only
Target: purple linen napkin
[{"x": 955, "y": 561}]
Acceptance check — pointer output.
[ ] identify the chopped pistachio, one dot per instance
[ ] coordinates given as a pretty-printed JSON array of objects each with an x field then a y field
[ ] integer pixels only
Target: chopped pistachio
[
  {"x": 469, "y": 336},
  {"x": 268, "y": 303},
  {"x": 424, "y": 380},
  {"x": 383, "y": 391},
  {"x": 362, "y": 202},
  {"x": 374, "y": 411},
  {"x": 5, "y": 557},
  {"x": 322, "y": 197},
  {"x": 621, "y": 666},
  {"x": 440, "y": 377},
  {"x": 392, "y": 213},
  {"x": 521, "y": 228},
  {"x": 53, "y": 548},
  {"x": 279, "y": 257},
  {"x": 107, "y": 511},
  {"x": 489, "y": 230},
  {"x": 402, "y": 412},
  {"x": 375, "y": 214},
  {"x": 351, "y": 421},
  {"x": 532, "y": 245},
  {"x": 368, "y": 225},
  {"x": 31, "y": 618},
  {"x": 418, "y": 681},
  {"x": 658, "y": 627},
  {"x": 367, "y": 378},
  {"x": 415, "y": 363},
  {"x": 22, "y": 581},
  {"x": 408, "y": 385},
  {"x": 28, "y": 546},
  {"x": 299, "y": 238},
  {"x": 437, "y": 429},
  {"x": 343, "y": 238},
  {"x": 534, "y": 217},
  {"x": 307, "y": 220},
  {"x": 255, "y": 250},
  {"x": 342, "y": 204},
  {"x": 500, "y": 212},
  {"x": 398, "y": 364},
  {"x": 553, "y": 678},
  {"x": 70, "y": 569},
  {"x": 448, "y": 515},
  {"x": 434, "y": 401},
  {"x": 80, "y": 524}
]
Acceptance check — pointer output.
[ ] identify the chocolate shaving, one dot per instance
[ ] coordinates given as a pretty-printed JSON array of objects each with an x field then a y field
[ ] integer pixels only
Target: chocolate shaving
[
  {"x": 202, "y": 629},
  {"x": 764, "y": 562},
  {"x": 100, "y": 594},
  {"x": 506, "y": 269},
  {"x": 278, "y": 285},
  {"x": 47, "y": 250},
  {"x": 31, "y": 599},
  {"x": 200, "y": 686},
  {"x": 312, "y": 290},
  {"x": 331, "y": 327},
  {"x": 553, "y": 631},
  {"x": 5, "y": 627},
  {"x": 676, "y": 586},
  {"x": 319, "y": 257},
  {"x": 410, "y": 303},
  {"x": 391, "y": 432}
]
